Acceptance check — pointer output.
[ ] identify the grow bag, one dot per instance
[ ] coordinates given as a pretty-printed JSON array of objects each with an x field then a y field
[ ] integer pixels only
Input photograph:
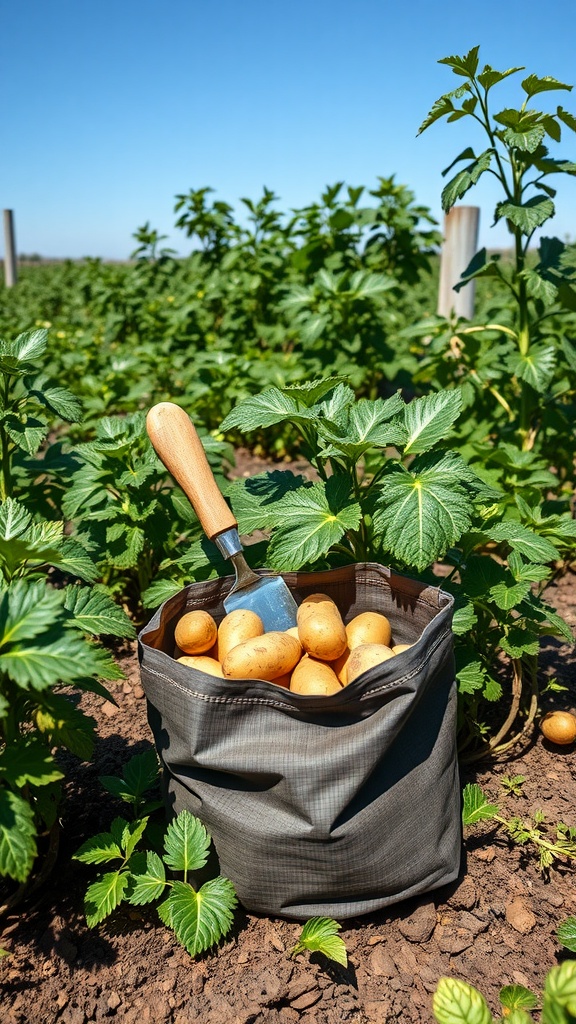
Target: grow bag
[{"x": 334, "y": 806}]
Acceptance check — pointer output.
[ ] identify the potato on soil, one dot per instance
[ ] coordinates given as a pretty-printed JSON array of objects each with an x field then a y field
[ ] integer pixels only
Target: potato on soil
[
  {"x": 559, "y": 727},
  {"x": 239, "y": 625},
  {"x": 195, "y": 632},
  {"x": 321, "y": 631},
  {"x": 314, "y": 678},
  {"x": 203, "y": 663},
  {"x": 368, "y": 628},
  {"x": 262, "y": 657},
  {"x": 367, "y": 656}
]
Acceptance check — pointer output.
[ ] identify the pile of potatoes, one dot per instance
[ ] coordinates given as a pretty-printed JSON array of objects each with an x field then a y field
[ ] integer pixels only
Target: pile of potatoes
[{"x": 318, "y": 656}]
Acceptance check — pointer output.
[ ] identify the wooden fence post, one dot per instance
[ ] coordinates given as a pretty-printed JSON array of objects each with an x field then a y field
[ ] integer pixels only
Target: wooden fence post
[
  {"x": 10, "y": 267},
  {"x": 460, "y": 245}
]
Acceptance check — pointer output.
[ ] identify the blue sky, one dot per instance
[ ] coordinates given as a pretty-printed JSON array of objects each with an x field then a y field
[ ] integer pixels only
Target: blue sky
[{"x": 112, "y": 108}]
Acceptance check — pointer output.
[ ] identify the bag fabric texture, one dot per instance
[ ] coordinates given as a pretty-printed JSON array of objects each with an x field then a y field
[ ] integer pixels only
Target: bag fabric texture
[{"x": 333, "y": 806}]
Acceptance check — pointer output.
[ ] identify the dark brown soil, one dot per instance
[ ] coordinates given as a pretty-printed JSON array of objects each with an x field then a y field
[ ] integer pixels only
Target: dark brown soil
[{"x": 495, "y": 926}]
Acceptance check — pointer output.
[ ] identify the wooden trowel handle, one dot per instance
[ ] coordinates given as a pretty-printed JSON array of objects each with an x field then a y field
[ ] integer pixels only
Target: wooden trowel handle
[{"x": 177, "y": 444}]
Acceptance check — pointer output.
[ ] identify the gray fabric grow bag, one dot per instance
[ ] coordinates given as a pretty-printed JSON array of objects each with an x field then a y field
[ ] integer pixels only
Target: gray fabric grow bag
[{"x": 333, "y": 806}]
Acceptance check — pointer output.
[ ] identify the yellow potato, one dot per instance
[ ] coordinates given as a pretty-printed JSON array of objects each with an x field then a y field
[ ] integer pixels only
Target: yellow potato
[
  {"x": 340, "y": 666},
  {"x": 239, "y": 625},
  {"x": 366, "y": 656},
  {"x": 203, "y": 663},
  {"x": 283, "y": 680},
  {"x": 262, "y": 657},
  {"x": 559, "y": 727},
  {"x": 368, "y": 628},
  {"x": 195, "y": 632},
  {"x": 293, "y": 631},
  {"x": 313, "y": 604},
  {"x": 314, "y": 678},
  {"x": 398, "y": 648},
  {"x": 321, "y": 630}
]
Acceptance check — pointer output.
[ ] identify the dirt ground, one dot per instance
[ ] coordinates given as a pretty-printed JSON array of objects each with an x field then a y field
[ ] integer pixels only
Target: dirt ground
[{"x": 495, "y": 926}]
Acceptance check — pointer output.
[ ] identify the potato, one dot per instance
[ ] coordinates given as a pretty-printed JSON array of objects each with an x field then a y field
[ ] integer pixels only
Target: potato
[
  {"x": 399, "y": 648},
  {"x": 313, "y": 604},
  {"x": 195, "y": 632},
  {"x": 293, "y": 631},
  {"x": 203, "y": 663},
  {"x": 314, "y": 678},
  {"x": 239, "y": 625},
  {"x": 340, "y": 666},
  {"x": 559, "y": 727},
  {"x": 262, "y": 657},
  {"x": 366, "y": 656},
  {"x": 368, "y": 628},
  {"x": 283, "y": 680},
  {"x": 321, "y": 629}
]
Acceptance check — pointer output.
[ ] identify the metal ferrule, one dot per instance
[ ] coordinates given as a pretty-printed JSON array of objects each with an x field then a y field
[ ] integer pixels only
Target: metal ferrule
[{"x": 228, "y": 543}]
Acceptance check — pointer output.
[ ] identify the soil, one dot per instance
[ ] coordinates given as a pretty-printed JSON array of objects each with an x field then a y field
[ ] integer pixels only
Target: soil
[{"x": 496, "y": 925}]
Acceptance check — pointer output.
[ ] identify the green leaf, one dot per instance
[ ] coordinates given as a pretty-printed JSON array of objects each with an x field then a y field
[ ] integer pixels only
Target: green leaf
[
  {"x": 27, "y": 435},
  {"x": 520, "y": 640},
  {"x": 533, "y": 85},
  {"x": 142, "y": 773},
  {"x": 471, "y": 677},
  {"x": 465, "y": 179},
  {"x": 567, "y": 118},
  {"x": 536, "y": 367},
  {"x": 200, "y": 919},
  {"x": 28, "y": 760},
  {"x": 27, "y": 346},
  {"x": 456, "y": 1002},
  {"x": 527, "y": 216},
  {"x": 489, "y": 77},
  {"x": 309, "y": 393},
  {"x": 429, "y": 419},
  {"x": 368, "y": 427},
  {"x": 475, "y": 805},
  {"x": 566, "y": 934},
  {"x": 94, "y": 611},
  {"x": 149, "y": 885},
  {"x": 517, "y": 997},
  {"x": 60, "y": 401},
  {"x": 423, "y": 511},
  {"x": 524, "y": 541},
  {"x": 312, "y": 520},
  {"x": 254, "y": 500},
  {"x": 103, "y": 896},
  {"x": 132, "y": 834},
  {"x": 271, "y": 406},
  {"x": 320, "y": 935},
  {"x": 560, "y": 994},
  {"x": 26, "y": 611},
  {"x": 464, "y": 619},
  {"x": 466, "y": 66},
  {"x": 540, "y": 288},
  {"x": 17, "y": 836},
  {"x": 186, "y": 843},
  {"x": 443, "y": 107},
  {"x": 99, "y": 849}
]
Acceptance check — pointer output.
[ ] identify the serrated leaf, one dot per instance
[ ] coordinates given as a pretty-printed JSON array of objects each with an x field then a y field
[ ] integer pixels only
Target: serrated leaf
[
  {"x": 17, "y": 836},
  {"x": 99, "y": 849},
  {"x": 567, "y": 118},
  {"x": 320, "y": 935},
  {"x": 517, "y": 997},
  {"x": 66, "y": 725},
  {"x": 481, "y": 265},
  {"x": 103, "y": 896},
  {"x": 27, "y": 346},
  {"x": 27, "y": 610},
  {"x": 28, "y": 760},
  {"x": 142, "y": 772},
  {"x": 186, "y": 843},
  {"x": 566, "y": 934},
  {"x": 423, "y": 511},
  {"x": 508, "y": 595},
  {"x": 94, "y": 611},
  {"x": 520, "y": 640},
  {"x": 132, "y": 834},
  {"x": 475, "y": 805},
  {"x": 536, "y": 367},
  {"x": 527, "y": 216},
  {"x": 523, "y": 540},
  {"x": 489, "y": 77},
  {"x": 158, "y": 592},
  {"x": 429, "y": 419},
  {"x": 464, "y": 619},
  {"x": 14, "y": 519},
  {"x": 271, "y": 406},
  {"x": 200, "y": 919},
  {"x": 149, "y": 885},
  {"x": 309, "y": 393},
  {"x": 254, "y": 500},
  {"x": 456, "y": 1002},
  {"x": 309, "y": 521},
  {"x": 471, "y": 677},
  {"x": 60, "y": 401},
  {"x": 465, "y": 179},
  {"x": 466, "y": 66},
  {"x": 443, "y": 107},
  {"x": 528, "y": 139},
  {"x": 533, "y": 85},
  {"x": 368, "y": 426},
  {"x": 28, "y": 435},
  {"x": 540, "y": 288}
]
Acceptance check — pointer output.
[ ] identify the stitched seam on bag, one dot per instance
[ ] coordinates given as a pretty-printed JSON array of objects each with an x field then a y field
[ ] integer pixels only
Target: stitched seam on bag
[{"x": 279, "y": 704}]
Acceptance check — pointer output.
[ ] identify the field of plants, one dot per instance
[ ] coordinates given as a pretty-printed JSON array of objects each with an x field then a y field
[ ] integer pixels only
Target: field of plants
[{"x": 345, "y": 422}]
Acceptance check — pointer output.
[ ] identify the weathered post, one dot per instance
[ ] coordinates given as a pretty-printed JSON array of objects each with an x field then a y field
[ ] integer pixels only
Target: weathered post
[
  {"x": 460, "y": 245},
  {"x": 10, "y": 269}
]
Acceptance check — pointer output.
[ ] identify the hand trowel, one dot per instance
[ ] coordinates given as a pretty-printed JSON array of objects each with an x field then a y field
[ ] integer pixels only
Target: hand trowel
[{"x": 179, "y": 447}]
